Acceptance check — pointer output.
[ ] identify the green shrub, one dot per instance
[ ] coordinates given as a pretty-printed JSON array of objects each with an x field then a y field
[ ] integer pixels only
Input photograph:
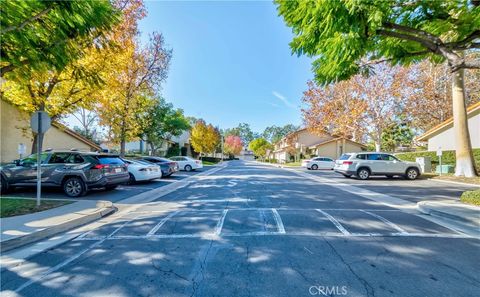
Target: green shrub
[
  {"x": 471, "y": 197},
  {"x": 448, "y": 157}
]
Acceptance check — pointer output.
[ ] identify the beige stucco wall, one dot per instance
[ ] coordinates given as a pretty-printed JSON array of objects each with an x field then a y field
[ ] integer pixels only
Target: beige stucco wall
[
  {"x": 446, "y": 139},
  {"x": 335, "y": 149},
  {"x": 15, "y": 129}
]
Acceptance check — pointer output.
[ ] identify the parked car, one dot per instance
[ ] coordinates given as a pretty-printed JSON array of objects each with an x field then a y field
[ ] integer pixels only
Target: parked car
[
  {"x": 363, "y": 165},
  {"x": 140, "y": 170},
  {"x": 319, "y": 163},
  {"x": 76, "y": 172},
  {"x": 168, "y": 167},
  {"x": 187, "y": 163}
]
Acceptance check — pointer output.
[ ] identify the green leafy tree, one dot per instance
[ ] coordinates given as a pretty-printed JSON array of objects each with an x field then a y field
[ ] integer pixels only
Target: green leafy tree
[
  {"x": 397, "y": 134},
  {"x": 347, "y": 37},
  {"x": 161, "y": 123},
  {"x": 244, "y": 131},
  {"x": 45, "y": 34},
  {"x": 204, "y": 138},
  {"x": 259, "y": 146},
  {"x": 274, "y": 133}
]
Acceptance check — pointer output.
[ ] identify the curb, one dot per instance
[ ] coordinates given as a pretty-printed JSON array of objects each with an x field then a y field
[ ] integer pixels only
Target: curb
[
  {"x": 104, "y": 208},
  {"x": 453, "y": 182},
  {"x": 423, "y": 208}
]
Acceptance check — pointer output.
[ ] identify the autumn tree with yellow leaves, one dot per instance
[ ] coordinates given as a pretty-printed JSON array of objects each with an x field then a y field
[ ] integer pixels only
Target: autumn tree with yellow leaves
[{"x": 204, "y": 138}]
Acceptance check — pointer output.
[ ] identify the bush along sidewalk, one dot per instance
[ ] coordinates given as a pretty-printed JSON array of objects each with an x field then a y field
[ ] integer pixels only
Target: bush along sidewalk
[
  {"x": 448, "y": 157},
  {"x": 471, "y": 197}
]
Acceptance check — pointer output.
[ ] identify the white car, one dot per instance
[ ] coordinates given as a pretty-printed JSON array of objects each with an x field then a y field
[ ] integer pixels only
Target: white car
[
  {"x": 142, "y": 171},
  {"x": 187, "y": 163},
  {"x": 363, "y": 165},
  {"x": 319, "y": 163}
]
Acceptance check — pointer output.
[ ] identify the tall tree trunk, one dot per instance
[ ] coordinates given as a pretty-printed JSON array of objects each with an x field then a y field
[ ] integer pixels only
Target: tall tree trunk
[
  {"x": 463, "y": 147},
  {"x": 122, "y": 147},
  {"x": 34, "y": 143}
]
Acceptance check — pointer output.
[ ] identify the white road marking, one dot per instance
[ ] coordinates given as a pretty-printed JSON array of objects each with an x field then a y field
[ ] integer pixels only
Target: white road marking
[
  {"x": 335, "y": 222},
  {"x": 264, "y": 209},
  {"x": 389, "y": 223},
  {"x": 268, "y": 233},
  {"x": 160, "y": 224},
  {"x": 278, "y": 220},
  {"x": 218, "y": 228},
  {"x": 308, "y": 250}
]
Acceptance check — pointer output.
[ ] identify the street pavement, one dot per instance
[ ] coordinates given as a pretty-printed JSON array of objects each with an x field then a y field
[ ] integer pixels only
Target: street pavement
[{"x": 255, "y": 230}]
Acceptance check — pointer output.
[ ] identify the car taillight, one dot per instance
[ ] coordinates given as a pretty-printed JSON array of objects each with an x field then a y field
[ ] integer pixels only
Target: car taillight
[
  {"x": 100, "y": 166},
  {"x": 197, "y": 162},
  {"x": 347, "y": 162}
]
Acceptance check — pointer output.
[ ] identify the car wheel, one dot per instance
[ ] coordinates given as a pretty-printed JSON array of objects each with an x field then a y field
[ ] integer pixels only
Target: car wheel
[
  {"x": 347, "y": 175},
  {"x": 131, "y": 179},
  {"x": 188, "y": 168},
  {"x": 412, "y": 173},
  {"x": 363, "y": 173},
  {"x": 110, "y": 188},
  {"x": 314, "y": 167},
  {"x": 74, "y": 187}
]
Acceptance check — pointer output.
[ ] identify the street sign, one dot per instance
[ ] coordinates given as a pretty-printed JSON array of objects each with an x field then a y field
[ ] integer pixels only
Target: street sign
[
  {"x": 439, "y": 153},
  {"x": 40, "y": 122},
  {"x": 22, "y": 149}
]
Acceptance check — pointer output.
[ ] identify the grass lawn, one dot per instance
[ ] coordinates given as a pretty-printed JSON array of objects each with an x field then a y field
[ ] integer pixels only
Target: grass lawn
[
  {"x": 10, "y": 207},
  {"x": 208, "y": 163},
  {"x": 296, "y": 164},
  {"x": 471, "y": 197}
]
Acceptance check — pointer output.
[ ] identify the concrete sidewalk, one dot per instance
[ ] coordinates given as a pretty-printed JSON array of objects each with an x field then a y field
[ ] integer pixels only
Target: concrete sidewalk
[
  {"x": 25, "y": 229},
  {"x": 454, "y": 210}
]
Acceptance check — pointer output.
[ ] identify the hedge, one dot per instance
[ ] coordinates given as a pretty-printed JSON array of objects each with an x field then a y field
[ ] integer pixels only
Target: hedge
[
  {"x": 471, "y": 197},
  {"x": 448, "y": 157}
]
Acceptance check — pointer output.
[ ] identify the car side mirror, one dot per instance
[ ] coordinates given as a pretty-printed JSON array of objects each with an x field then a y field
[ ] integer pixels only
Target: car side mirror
[{"x": 16, "y": 162}]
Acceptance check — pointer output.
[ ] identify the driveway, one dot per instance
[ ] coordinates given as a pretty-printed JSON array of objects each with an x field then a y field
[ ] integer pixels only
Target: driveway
[
  {"x": 253, "y": 230},
  {"x": 120, "y": 193}
]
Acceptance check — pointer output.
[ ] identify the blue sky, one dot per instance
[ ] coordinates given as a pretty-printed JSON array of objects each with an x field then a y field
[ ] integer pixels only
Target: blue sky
[{"x": 231, "y": 61}]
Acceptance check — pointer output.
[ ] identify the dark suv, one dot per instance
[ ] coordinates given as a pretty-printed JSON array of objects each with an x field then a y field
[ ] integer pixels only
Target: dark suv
[{"x": 76, "y": 172}]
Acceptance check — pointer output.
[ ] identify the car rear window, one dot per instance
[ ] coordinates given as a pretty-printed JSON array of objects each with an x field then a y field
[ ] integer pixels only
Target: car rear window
[
  {"x": 361, "y": 156},
  {"x": 110, "y": 160},
  {"x": 344, "y": 157}
]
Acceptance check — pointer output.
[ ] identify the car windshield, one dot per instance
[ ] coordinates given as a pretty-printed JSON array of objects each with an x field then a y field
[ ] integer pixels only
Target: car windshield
[
  {"x": 344, "y": 157},
  {"x": 110, "y": 160}
]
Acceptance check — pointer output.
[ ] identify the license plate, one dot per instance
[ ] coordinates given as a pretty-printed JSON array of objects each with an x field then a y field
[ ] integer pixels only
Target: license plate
[{"x": 117, "y": 170}]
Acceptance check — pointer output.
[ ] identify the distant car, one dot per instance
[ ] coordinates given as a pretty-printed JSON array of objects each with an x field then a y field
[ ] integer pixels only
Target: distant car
[
  {"x": 168, "y": 167},
  {"x": 365, "y": 164},
  {"x": 187, "y": 163},
  {"x": 76, "y": 172},
  {"x": 140, "y": 170},
  {"x": 319, "y": 163}
]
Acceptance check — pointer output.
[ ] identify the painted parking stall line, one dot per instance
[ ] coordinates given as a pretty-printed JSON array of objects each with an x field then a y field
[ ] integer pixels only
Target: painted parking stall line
[
  {"x": 218, "y": 228},
  {"x": 334, "y": 221},
  {"x": 278, "y": 220},
  {"x": 161, "y": 223},
  {"x": 389, "y": 223}
]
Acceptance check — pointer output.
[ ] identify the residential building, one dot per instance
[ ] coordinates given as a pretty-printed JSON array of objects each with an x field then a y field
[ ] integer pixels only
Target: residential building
[
  {"x": 442, "y": 135},
  {"x": 15, "y": 132},
  {"x": 305, "y": 144}
]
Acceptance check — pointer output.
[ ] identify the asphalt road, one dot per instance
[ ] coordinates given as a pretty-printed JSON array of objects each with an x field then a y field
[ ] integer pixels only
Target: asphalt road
[
  {"x": 252, "y": 230},
  {"x": 120, "y": 193}
]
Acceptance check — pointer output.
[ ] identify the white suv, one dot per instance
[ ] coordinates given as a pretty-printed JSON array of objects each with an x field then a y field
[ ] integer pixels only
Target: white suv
[{"x": 363, "y": 165}]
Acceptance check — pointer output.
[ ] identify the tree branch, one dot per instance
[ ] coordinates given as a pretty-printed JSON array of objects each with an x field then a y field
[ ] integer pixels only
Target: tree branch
[
  {"x": 431, "y": 37},
  {"x": 425, "y": 42},
  {"x": 27, "y": 21}
]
